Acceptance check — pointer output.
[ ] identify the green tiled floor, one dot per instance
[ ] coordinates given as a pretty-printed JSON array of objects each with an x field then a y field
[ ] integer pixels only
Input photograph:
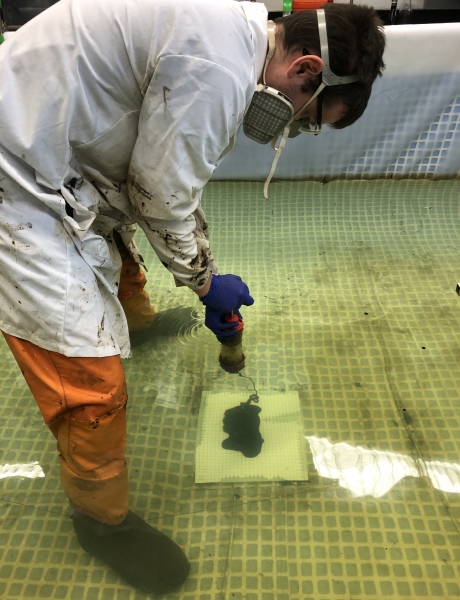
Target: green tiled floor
[{"x": 356, "y": 311}]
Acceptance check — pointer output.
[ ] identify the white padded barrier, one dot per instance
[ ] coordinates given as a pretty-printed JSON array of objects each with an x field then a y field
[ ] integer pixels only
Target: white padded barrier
[{"x": 411, "y": 127}]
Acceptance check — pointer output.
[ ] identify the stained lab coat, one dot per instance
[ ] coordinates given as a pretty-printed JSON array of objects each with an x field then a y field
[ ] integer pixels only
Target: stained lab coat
[{"x": 113, "y": 113}]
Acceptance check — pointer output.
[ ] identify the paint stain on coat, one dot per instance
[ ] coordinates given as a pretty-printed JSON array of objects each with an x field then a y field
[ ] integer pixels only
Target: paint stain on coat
[{"x": 165, "y": 99}]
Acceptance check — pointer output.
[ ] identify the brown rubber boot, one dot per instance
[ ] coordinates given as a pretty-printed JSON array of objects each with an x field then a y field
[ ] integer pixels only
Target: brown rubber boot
[{"x": 141, "y": 555}]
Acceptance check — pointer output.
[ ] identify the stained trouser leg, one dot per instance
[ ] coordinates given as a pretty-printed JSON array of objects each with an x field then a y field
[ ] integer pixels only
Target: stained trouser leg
[
  {"x": 83, "y": 402},
  {"x": 133, "y": 298}
]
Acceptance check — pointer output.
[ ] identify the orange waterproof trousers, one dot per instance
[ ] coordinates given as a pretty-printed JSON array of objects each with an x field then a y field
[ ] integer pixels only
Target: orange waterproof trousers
[
  {"x": 83, "y": 402},
  {"x": 134, "y": 299}
]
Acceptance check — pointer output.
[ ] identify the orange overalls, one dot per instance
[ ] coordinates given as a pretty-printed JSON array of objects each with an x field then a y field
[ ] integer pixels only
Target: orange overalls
[{"x": 83, "y": 402}]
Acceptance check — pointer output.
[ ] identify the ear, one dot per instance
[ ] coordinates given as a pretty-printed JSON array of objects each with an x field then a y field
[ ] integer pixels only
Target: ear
[{"x": 307, "y": 66}]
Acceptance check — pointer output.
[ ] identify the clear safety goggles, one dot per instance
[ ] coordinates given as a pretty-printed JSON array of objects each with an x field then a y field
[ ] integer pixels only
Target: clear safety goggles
[{"x": 308, "y": 124}]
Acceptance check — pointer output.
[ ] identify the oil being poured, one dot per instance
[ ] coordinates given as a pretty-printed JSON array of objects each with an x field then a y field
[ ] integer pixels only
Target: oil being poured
[{"x": 242, "y": 423}]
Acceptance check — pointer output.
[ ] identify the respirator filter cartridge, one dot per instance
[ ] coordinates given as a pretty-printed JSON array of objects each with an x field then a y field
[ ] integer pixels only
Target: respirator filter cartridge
[{"x": 268, "y": 114}]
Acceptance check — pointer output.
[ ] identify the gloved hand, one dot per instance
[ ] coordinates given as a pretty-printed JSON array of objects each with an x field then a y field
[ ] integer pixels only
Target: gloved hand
[
  {"x": 215, "y": 321},
  {"x": 226, "y": 295}
]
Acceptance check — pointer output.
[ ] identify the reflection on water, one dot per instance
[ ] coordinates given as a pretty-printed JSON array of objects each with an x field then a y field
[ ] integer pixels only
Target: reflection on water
[
  {"x": 373, "y": 473},
  {"x": 29, "y": 470}
]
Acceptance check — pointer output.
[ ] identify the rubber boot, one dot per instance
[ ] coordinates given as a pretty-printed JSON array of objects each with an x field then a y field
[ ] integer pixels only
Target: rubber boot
[{"x": 141, "y": 555}]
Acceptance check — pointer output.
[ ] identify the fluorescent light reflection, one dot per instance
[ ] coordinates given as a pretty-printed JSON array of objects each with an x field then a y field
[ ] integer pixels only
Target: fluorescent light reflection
[
  {"x": 373, "y": 473},
  {"x": 30, "y": 470}
]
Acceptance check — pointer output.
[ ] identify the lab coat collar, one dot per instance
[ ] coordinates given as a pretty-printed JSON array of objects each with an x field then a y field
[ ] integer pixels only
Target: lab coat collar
[{"x": 257, "y": 18}]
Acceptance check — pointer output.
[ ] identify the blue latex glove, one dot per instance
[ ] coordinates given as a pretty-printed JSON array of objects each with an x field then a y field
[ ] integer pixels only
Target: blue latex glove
[{"x": 226, "y": 295}]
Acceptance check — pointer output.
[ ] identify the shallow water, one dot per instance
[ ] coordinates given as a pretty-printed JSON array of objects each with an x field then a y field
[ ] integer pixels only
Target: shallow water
[{"x": 355, "y": 311}]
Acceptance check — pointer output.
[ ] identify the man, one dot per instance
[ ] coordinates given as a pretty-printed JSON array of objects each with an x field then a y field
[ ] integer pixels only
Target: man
[{"x": 115, "y": 113}]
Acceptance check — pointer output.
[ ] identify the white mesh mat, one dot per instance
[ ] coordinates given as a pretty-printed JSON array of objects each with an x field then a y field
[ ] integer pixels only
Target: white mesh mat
[{"x": 283, "y": 455}]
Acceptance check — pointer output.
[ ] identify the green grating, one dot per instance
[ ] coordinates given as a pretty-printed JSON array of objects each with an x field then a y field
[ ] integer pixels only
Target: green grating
[{"x": 356, "y": 312}]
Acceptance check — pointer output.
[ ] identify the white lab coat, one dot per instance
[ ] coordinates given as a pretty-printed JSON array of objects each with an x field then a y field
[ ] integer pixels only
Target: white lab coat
[{"x": 113, "y": 112}]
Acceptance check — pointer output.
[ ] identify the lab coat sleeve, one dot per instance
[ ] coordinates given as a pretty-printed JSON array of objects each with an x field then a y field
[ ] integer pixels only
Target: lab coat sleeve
[{"x": 191, "y": 110}]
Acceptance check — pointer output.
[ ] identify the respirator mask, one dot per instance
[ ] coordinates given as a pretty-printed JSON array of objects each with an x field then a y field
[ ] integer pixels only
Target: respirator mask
[{"x": 271, "y": 113}]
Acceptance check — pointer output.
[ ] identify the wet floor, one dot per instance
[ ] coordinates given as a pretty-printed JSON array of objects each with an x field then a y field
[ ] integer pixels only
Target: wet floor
[{"x": 356, "y": 313}]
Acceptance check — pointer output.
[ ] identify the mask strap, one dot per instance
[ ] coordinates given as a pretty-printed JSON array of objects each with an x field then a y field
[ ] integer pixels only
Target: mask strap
[
  {"x": 329, "y": 77},
  {"x": 284, "y": 137},
  {"x": 279, "y": 150},
  {"x": 315, "y": 95},
  {"x": 271, "y": 29}
]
